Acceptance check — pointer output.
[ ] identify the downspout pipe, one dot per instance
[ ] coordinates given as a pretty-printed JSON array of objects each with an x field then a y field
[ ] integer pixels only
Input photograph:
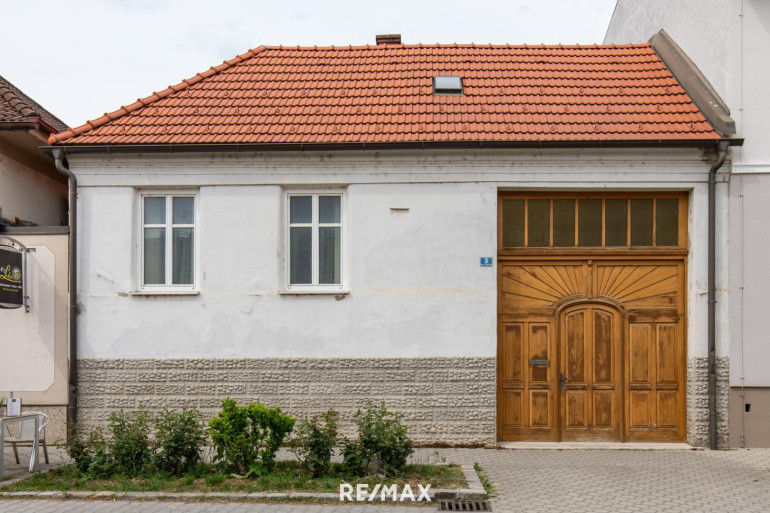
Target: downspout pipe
[
  {"x": 712, "y": 346},
  {"x": 72, "y": 405}
]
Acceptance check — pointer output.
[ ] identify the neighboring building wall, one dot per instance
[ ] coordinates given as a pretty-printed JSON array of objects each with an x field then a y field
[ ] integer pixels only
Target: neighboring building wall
[
  {"x": 418, "y": 328},
  {"x": 34, "y": 345},
  {"x": 728, "y": 40},
  {"x": 25, "y": 191}
]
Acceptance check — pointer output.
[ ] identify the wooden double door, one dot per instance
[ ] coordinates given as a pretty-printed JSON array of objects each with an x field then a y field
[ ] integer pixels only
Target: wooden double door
[{"x": 591, "y": 350}]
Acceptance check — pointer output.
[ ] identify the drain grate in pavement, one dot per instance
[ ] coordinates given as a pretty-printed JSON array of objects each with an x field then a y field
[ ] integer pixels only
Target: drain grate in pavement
[{"x": 455, "y": 505}]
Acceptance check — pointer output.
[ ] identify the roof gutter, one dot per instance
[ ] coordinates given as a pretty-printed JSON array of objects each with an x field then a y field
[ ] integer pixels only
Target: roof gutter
[
  {"x": 712, "y": 348},
  {"x": 427, "y": 145},
  {"x": 38, "y": 124},
  {"x": 72, "y": 405}
]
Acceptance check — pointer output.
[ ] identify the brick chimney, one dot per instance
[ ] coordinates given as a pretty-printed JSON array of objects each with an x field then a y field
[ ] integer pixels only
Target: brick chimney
[{"x": 388, "y": 39}]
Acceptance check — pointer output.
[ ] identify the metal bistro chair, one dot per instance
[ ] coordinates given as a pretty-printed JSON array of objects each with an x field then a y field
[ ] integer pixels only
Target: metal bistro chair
[{"x": 26, "y": 433}]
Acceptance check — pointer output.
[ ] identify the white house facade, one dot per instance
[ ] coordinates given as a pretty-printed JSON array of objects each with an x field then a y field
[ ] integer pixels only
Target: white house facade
[{"x": 490, "y": 285}]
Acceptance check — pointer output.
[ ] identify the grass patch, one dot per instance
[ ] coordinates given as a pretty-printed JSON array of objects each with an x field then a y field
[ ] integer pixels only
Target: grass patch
[
  {"x": 489, "y": 487},
  {"x": 288, "y": 476}
]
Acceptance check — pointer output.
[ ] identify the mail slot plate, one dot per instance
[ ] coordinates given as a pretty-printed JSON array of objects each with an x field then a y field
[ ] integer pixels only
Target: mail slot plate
[{"x": 539, "y": 362}]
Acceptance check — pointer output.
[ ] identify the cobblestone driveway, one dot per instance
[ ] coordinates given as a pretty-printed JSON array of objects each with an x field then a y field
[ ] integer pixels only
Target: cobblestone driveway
[{"x": 577, "y": 481}]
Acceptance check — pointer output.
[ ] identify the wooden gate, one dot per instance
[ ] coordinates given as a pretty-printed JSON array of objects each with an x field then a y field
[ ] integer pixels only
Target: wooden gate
[{"x": 591, "y": 343}]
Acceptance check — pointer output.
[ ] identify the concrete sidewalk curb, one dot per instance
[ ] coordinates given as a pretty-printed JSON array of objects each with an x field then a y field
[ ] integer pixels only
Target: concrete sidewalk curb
[{"x": 475, "y": 490}]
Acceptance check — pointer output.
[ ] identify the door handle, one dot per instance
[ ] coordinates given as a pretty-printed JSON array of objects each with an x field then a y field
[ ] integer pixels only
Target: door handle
[{"x": 562, "y": 380}]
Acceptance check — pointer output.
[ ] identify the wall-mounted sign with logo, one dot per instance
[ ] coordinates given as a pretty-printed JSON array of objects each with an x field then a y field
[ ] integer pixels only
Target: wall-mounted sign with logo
[{"x": 11, "y": 277}]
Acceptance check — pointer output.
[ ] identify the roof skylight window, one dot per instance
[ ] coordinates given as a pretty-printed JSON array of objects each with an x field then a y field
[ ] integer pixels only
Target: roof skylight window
[{"x": 443, "y": 84}]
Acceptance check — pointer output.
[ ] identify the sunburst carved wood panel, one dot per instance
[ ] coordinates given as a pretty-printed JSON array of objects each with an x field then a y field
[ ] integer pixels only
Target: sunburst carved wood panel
[
  {"x": 638, "y": 285},
  {"x": 540, "y": 286}
]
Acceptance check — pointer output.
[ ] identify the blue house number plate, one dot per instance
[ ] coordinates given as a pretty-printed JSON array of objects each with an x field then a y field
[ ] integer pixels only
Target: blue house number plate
[{"x": 486, "y": 262}]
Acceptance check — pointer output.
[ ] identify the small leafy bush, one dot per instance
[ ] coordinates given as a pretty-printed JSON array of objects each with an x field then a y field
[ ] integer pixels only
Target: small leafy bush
[
  {"x": 382, "y": 438},
  {"x": 179, "y": 440},
  {"x": 90, "y": 454},
  {"x": 130, "y": 442},
  {"x": 246, "y": 438},
  {"x": 315, "y": 441}
]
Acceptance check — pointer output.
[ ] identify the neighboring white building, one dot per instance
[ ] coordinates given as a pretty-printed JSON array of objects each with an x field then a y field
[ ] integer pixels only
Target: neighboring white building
[
  {"x": 448, "y": 228},
  {"x": 33, "y": 212},
  {"x": 728, "y": 40}
]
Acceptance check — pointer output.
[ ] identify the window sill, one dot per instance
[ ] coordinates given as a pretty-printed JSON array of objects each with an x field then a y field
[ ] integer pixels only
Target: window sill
[
  {"x": 164, "y": 293},
  {"x": 324, "y": 292}
]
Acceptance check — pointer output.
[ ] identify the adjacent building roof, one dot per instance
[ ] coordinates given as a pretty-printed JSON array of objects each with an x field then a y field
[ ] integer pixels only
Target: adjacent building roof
[
  {"x": 384, "y": 94},
  {"x": 17, "y": 107}
]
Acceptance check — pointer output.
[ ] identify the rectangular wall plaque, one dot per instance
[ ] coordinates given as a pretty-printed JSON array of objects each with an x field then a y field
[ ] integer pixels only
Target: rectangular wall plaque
[{"x": 11, "y": 287}]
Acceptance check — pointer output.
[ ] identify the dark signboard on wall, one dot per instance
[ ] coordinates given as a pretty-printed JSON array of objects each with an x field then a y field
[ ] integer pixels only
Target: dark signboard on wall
[{"x": 11, "y": 288}]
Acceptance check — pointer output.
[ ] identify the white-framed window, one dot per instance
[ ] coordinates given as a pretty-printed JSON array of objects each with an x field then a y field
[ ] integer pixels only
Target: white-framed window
[
  {"x": 315, "y": 241},
  {"x": 168, "y": 241}
]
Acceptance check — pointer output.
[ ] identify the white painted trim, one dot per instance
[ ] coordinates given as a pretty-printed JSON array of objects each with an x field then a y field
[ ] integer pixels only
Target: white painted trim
[
  {"x": 165, "y": 289},
  {"x": 323, "y": 292},
  {"x": 315, "y": 288},
  {"x": 162, "y": 292}
]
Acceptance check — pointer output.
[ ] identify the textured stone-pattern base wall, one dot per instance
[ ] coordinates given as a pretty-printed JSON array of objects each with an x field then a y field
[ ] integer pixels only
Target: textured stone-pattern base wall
[
  {"x": 698, "y": 401},
  {"x": 444, "y": 400}
]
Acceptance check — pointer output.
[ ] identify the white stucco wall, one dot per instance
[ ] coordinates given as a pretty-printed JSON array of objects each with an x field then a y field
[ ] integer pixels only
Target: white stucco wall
[
  {"x": 728, "y": 40},
  {"x": 30, "y": 195},
  {"x": 416, "y": 287},
  {"x": 28, "y": 345}
]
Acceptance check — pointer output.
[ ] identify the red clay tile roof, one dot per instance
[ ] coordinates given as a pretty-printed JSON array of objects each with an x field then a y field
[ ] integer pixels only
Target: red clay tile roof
[
  {"x": 383, "y": 94},
  {"x": 17, "y": 107}
]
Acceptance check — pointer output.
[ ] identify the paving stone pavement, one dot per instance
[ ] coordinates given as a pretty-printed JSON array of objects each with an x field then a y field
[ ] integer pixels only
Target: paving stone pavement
[
  {"x": 616, "y": 481},
  {"x": 577, "y": 481}
]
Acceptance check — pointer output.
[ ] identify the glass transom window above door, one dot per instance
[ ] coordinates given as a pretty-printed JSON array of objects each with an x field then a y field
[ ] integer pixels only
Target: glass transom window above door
[
  {"x": 168, "y": 241},
  {"x": 315, "y": 232},
  {"x": 611, "y": 221}
]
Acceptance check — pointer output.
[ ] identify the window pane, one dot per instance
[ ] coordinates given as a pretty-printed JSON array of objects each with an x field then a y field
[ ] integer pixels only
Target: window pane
[
  {"x": 301, "y": 209},
  {"x": 667, "y": 222},
  {"x": 589, "y": 222},
  {"x": 154, "y": 256},
  {"x": 539, "y": 221},
  {"x": 329, "y": 256},
  {"x": 184, "y": 210},
  {"x": 301, "y": 256},
  {"x": 155, "y": 210},
  {"x": 564, "y": 223},
  {"x": 182, "y": 265},
  {"x": 328, "y": 209},
  {"x": 641, "y": 222},
  {"x": 616, "y": 222},
  {"x": 513, "y": 223}
]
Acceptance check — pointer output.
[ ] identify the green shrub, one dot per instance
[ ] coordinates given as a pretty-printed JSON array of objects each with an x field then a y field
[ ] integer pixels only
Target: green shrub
[
  {"x": 179, "y": 440},
  {"x": 315, "y": 441},
  {"x": 382, "y": 439},
  {"x": 246, "y": 438},
  {"x": 90, "y": 454},
  {"x": 130, "y": 442}
]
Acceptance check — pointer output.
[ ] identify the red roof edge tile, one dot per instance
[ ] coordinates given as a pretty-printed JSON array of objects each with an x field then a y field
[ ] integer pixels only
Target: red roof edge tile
[{"x": 141, "y": 102}]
